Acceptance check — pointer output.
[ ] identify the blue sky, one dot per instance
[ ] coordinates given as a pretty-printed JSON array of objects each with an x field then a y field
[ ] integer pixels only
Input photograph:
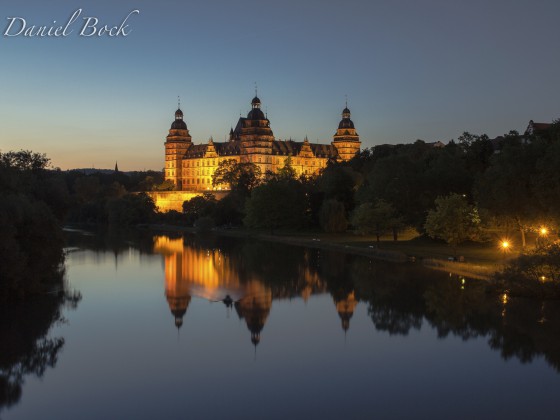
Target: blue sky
[{"x": 411, "y": 69}]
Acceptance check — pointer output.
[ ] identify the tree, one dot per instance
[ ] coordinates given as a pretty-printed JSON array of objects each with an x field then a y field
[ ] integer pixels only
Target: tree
[
  {"x": 375, "y": 218},
  {"x": 87, "y": 188},
  {"x": 199, "y": 206},
  {"x": 147, "y": 184},
  {"x": 333, "y": 216},
  {"x": 238, "y": 176},
  {"x": 230, "y": 210},
  {"x": 131, "y": 209},
  {"x": 339, "y": 181},
  {"x": 277, "y": 204},
  {"x": 398, "y": 179},
  {"x": 166, "y": 185},
  {"x": 31, "y": 239},
  {"x": 453, "y": 220},
  {"x": 287, "y": 171},
  {"x": 25, "y": 160},
  {"x": 546, "y": 182},
  {"x": 477, "y": 149},
  {"x": 507, "y": 188}
]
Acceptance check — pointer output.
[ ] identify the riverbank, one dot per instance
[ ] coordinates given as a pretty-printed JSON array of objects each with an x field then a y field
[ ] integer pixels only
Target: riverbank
[{"x": 478, "y": 261}]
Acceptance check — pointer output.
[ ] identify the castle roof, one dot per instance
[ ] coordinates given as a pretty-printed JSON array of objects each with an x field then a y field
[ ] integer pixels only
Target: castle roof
[
  {"x": 178, "y": 123},
  {"x": 227, "y": 148},
  {"x": 286, "y": 147},
  {"x": 196, "y": 150},
  {"x": 346, "y": 122},
  {"x": 279, "y": 147},
  {"x": 324, "y": 150},
  {"x": 256, "y": 114}
]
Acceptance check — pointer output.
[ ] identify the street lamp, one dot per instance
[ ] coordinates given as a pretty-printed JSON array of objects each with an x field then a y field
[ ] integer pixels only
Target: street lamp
[
  {"x": 543, "y": 232},
  {"x": 505, "y": 246}
]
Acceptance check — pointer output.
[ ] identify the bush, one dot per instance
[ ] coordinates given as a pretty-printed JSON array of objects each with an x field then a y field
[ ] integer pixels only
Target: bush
[{"x": 536, "y": 274}]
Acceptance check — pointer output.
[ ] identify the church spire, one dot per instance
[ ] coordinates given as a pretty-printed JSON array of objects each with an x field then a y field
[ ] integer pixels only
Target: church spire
[{"x": 116, "y": 167}]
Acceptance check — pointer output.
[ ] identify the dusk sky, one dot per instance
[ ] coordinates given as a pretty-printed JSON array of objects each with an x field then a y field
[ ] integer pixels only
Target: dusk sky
[{"x": 411, "y": 69}]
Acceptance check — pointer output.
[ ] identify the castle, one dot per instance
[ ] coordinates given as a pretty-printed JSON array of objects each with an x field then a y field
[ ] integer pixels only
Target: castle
[{"x": 190, "y": 167}]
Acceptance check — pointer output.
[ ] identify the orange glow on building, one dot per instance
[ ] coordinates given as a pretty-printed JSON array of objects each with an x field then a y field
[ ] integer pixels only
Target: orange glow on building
[{"x": 191, "y": 167}]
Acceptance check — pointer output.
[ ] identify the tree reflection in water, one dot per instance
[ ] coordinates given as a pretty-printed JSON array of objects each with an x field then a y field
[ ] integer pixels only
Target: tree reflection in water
[
  {"x": 399, "y": 297},
  {"x": 25, "y": 348}
]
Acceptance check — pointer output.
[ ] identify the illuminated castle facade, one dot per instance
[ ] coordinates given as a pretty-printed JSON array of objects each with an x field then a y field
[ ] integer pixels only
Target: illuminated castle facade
[{"x": 190, "y": 167}]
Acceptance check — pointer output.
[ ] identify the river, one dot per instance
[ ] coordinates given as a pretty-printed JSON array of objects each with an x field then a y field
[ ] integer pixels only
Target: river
[{"x": 198, "y": 326}]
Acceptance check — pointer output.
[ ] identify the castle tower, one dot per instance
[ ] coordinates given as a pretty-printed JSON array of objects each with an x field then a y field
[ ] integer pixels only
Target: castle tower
[
  {"x": 255, "y": 308},
  {"x": 177, "y": 288},
  {"x": 176, "y": 145},
  {"x": 345, "y": 308},
  {"x": 178, "y": 304},
  {"x": 346, "y": 140},
  {"x": 256, "y": 137}
]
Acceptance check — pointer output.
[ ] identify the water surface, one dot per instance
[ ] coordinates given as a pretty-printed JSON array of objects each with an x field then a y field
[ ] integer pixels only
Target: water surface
[{"x": 207, "y": 327}]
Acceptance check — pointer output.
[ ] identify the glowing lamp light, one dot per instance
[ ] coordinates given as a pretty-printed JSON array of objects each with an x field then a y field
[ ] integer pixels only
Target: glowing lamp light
[
  {"x": 504, "y": 245},
  {"x": 543, "y": 231}
]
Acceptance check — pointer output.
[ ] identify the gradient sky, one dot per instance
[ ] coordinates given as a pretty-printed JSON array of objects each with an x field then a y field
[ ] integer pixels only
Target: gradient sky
[{"x": 411, "y": 69}]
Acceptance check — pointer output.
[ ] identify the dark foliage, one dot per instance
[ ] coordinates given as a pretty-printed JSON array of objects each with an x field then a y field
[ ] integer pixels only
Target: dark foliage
[
  {"x": 535, "y": 274},
  {"x": 31, "y": 210}
]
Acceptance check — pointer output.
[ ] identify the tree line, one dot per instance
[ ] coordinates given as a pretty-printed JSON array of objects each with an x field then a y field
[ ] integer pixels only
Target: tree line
[
  {"x": 448, "y": 192},
  {"x": 453, "y": 192},
  {"x": 36, "y": 200}
]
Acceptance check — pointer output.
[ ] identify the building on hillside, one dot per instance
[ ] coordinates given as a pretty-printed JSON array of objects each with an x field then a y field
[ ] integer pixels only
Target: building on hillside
[
  {"x": 191, "y": 166},
  {"x": 534, "y": 128}
]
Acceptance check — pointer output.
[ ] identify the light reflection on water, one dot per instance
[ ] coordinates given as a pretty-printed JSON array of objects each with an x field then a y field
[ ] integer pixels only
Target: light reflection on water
[{"x": 212, "y": 328}]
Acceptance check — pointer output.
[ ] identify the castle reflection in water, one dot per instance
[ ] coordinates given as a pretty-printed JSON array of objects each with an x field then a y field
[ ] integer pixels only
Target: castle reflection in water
[
  {"x": 248, "y": 275},
  {"x": 212, "y": 274}
]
